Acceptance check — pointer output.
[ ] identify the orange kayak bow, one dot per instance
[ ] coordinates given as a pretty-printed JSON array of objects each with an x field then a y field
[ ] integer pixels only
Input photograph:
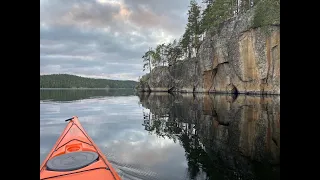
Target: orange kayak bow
[{"x": 76, "y": 157}]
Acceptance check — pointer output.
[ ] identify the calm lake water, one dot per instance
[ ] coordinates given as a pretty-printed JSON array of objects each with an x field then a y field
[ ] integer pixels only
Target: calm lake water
[{"x": 171, "y": 137}]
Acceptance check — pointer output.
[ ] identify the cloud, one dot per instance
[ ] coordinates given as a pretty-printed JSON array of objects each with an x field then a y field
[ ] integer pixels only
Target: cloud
[{"x": 105, "y": 38}]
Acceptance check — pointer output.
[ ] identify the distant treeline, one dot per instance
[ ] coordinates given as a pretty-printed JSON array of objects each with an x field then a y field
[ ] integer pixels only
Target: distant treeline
[{"x": 72, "y": 81}]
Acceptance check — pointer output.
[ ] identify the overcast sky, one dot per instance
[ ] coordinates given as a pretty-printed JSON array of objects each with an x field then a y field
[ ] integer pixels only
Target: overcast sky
[{"x": 105, "y": 38}]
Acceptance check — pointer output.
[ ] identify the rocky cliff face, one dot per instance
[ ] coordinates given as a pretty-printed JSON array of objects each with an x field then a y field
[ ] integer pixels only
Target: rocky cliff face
[{"x": 234, "y": 59}]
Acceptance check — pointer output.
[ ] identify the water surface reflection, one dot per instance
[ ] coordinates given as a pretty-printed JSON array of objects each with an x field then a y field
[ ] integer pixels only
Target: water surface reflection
[
  {"x": 224, "y": 137},
  {"x": 65, "y": 95},
  {"x": 163, "y": 136}
]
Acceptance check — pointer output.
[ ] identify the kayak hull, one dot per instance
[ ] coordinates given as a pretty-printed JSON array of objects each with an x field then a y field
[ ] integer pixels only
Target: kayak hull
[{"x": 75, "y": 139}]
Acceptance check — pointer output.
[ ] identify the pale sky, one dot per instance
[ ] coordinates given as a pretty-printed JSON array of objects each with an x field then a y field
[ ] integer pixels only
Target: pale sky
[{"x": 105, "y": 38}]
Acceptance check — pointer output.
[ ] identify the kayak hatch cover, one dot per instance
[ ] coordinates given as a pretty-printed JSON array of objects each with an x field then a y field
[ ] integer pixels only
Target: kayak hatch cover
[{"x": 76, "y": 157}]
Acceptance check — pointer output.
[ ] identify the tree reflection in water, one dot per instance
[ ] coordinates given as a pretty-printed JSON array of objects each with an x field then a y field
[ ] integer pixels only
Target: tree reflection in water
[{"x": 224, "y": 137}]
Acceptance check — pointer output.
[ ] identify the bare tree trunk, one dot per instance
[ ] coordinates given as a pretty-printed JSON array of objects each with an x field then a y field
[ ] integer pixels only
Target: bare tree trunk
[
  {"x": 237, "y": 11},
  {"x": 149, "y": 61}
]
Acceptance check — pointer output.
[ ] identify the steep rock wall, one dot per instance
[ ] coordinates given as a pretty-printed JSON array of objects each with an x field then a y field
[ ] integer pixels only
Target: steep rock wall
[{"x": 235, "y": 58}]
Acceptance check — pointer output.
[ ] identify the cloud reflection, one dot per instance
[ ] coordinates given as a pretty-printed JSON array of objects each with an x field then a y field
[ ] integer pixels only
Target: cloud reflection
[{"x": 114, "y": 123}]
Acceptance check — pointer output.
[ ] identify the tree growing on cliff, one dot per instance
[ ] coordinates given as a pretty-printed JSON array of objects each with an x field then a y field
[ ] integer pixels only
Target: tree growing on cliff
[
  {"x": 147, "y": 60},
  {"x": 267, "y": 13},
  {"x": 218, "y": 11},
  {"x": 153, "y": 58},
  {"x": 185, "y": 43},
  {"x": 173, "y": 52},
  {"x": 194, "y": 24},
  {"x": 160, "y": 54},
  {"x": 164, "y": 53},
  {"x": 205, "y": 20}
]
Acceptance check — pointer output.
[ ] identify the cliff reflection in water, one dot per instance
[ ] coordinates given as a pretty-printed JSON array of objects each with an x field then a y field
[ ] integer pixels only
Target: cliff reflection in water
[{"x": 224, "y": 137}]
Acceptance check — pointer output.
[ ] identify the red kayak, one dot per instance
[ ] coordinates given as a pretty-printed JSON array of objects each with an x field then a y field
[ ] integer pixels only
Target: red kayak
[{"x": 76, "y": 157}]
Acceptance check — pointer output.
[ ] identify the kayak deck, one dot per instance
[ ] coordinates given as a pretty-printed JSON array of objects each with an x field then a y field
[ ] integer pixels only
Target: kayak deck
[{"x": 76, "y": 156}]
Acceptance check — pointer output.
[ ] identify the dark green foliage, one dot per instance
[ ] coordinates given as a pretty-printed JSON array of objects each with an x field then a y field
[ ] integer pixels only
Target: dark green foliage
[
  {"x": 267, "y": 13},
  {"x": 216, "y": 12},
  {"x": 162, "y": 55},
  {"x": 72, "y": 81},
  {"x": 185, "y": 42},
  {"x": 193, "y": 25},
  {"x": 147, "y": 60},
  {"x": 173, "y": 52}
]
